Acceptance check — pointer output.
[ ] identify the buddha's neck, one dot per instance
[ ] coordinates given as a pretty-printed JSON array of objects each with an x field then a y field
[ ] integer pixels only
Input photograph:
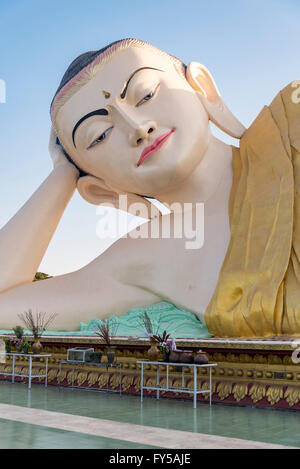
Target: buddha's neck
[{"x": 203, "y": 183}]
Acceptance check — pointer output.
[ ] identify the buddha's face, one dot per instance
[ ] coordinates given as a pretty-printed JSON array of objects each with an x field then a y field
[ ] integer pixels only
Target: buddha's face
[{"x": 149, "y": 131}]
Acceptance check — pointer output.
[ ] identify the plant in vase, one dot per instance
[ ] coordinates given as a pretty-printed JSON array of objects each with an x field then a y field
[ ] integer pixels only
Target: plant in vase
[
  {"x": 37, "y": 325},
  {"x": 165, "y": 350},
  {"x": 9, "y": 342},
  {"x": 18, "y": 343},
  {"x": 164, "y": 345},
  {"x": 19, "y": 332},
  {"x": 25, "y": 346},
  {"x": 150, "y": 328},
  {"x": 107, "y": 329}
]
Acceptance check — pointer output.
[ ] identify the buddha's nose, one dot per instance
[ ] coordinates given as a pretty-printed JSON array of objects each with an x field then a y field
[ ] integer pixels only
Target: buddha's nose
[
  {"x": 142, "y": 133},
  {"x": 138, "y": 131}
]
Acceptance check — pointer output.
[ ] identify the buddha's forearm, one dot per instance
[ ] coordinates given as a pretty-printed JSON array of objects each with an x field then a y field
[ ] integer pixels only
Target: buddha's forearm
[
  {"x": 25, "y": 238},
  {"x": 75, "y": 297}
]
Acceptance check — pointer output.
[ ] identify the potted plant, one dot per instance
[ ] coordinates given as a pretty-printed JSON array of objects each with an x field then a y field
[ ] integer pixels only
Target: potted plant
[
  {"x": 106, "y": 330},
  {"x": 8, "y": 341},
  {"x": 25, "y": 346},
  {"x": 19, "y": 332},
  {"x": 37, "y": 325},
  {"x": 150, "y": 329},
  {"x": 164, "y": 345}
]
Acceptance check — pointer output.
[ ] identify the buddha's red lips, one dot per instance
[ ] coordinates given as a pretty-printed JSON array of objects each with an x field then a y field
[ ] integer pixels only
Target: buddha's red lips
[{"x": 154, "y": 147}]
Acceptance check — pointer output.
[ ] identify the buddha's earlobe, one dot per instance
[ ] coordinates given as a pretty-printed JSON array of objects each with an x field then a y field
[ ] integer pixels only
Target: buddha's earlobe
[
  {"x": 95, "y": 191},
  {"x": 202, "y": 81}
]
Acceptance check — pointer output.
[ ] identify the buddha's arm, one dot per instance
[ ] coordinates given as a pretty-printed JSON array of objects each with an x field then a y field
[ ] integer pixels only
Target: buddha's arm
[
  {"x": 25, "y": 238},
  {"x": 94, "y": 291}
]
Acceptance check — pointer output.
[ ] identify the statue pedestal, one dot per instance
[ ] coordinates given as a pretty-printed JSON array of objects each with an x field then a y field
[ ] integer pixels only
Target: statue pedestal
[{"x": 257, "y": 372}]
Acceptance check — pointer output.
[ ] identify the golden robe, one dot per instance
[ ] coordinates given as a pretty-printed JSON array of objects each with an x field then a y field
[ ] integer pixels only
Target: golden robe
[{"x": 258, "y": 290}]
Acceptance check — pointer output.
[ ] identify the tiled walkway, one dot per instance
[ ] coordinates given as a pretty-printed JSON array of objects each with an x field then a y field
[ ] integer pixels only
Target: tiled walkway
[
  {"x": 62, "y": 418},
  {"x": 19, "y": 435},
  {"x": 143, "y": 435}
]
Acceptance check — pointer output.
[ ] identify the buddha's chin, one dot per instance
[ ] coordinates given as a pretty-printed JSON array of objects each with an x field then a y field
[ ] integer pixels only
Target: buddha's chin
[
  {"x": 166, "y": 170},
  {"x": 160, "y": 182}
]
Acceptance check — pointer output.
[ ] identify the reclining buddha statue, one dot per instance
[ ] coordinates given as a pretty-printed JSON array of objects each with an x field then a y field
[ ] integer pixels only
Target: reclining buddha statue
[{"x": 131, "y": 120}]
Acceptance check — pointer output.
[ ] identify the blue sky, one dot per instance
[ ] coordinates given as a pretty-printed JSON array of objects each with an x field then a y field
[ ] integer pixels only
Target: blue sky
[{"x": 250, "y": 46}]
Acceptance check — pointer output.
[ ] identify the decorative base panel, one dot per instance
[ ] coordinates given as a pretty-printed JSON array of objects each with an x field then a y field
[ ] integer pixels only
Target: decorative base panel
[{"x": 258, "y": 373}]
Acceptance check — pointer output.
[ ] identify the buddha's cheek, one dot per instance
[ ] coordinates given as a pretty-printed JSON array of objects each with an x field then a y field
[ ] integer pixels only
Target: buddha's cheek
[{"x": 190, "y": 143}]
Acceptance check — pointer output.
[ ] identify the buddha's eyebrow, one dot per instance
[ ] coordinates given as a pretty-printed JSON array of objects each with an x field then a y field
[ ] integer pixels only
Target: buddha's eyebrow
[
  {"x": 98, "y": 112},
  {"x": 123, "y": 94}
]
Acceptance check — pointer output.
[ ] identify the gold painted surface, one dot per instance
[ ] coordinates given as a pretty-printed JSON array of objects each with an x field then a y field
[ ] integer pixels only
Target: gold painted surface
[
  {"x": 205, "y": 385},
  {"x": 115, "y": 381},
  {"x": 292, "y": 395},
  {"x": 274, "y": 394},
  {"x": 224, "y": 390},
  {"x": 257, "y": 392},
  {"x": 240, "y": 391},
  {"x": 92, "y": 379},
  {"x": 81, "y": 378},
  {"x": 258, "y": 292},
  {"x": 61, "y": 376},
  {"x": 102, "y": 380},
  {"x": 69, "y": 377},
  {"x": 127, "y": 382}
]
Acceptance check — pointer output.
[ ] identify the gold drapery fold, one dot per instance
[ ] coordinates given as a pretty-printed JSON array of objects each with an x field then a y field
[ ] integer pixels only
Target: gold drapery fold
[{"x": 258, "y": 290}]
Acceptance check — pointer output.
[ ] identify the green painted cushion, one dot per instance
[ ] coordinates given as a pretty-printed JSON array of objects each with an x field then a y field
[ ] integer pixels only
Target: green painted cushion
[{"x": 177, "y": 322}]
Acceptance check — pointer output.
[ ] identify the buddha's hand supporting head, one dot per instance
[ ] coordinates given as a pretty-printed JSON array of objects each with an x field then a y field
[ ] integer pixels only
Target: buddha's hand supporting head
[
  {"x": 57, "y": 153},
  {"x": 136, "y": 120}
]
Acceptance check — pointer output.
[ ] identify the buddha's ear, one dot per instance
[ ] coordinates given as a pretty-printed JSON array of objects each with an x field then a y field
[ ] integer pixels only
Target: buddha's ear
[
  {"x": 95, "y": 191},
  {"x": 202, "y": 81}
]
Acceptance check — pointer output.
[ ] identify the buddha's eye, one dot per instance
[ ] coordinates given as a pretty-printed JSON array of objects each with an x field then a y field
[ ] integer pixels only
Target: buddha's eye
[
  {"x": 148, "y": 97},
  {"x": 101, "y": 138}
]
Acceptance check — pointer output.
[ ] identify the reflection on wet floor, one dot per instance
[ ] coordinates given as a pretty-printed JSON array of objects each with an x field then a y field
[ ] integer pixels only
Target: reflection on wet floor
[{"x": 265, "y": 425}]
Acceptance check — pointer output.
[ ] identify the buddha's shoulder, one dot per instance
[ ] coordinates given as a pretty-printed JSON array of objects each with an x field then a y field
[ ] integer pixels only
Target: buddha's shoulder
[
  {"x": 285, "y": 108},
  {"x": 290, "y": 94}
]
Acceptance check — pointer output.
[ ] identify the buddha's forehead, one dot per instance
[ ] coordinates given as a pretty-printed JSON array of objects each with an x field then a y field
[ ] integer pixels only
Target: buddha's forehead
[{"x": 111, "y": 78}]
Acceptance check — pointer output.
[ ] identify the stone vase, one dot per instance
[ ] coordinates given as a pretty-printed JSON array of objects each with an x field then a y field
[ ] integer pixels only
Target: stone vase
[
  {"x": 111, "y": 355},
  {"x": 37, "y": 346},
  {"x": 186, "y": 356},
  {"x": 201, "y": 358},
  {"x": 174, "y": 356},
  {"x": 153, "y": 352}
]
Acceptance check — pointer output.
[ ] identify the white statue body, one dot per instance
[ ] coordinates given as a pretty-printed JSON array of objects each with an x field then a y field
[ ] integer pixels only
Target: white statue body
[{"x": 191, "y": 166}]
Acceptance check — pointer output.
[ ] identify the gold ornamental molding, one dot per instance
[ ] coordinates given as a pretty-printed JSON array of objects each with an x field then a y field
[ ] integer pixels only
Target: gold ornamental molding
[{"x": 262, "y": 376}]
